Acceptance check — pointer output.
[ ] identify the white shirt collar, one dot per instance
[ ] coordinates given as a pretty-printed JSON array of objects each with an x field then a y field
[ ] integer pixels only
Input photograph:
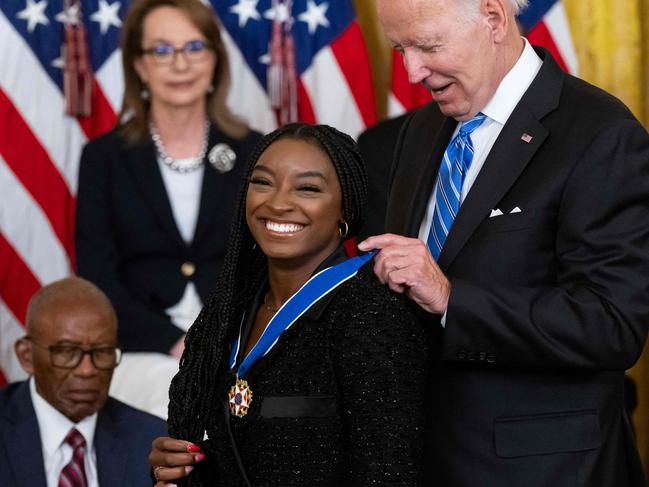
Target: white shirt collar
[
  {"x": 514, "y": 85},
  {"x": 54, "y": 426}
]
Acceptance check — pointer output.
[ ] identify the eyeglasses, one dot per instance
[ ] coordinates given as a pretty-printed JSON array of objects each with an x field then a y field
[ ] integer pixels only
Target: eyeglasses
[
  {"x": 70, "y": 356},
  {"x": 164, "y": 54}
]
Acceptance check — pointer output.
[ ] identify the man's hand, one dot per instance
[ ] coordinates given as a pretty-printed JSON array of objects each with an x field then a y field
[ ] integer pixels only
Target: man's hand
[{"x": 406, "y": 266}]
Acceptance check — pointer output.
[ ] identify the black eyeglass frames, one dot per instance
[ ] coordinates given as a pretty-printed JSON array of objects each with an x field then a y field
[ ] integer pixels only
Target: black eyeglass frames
[{"x": 70, "y": 356}]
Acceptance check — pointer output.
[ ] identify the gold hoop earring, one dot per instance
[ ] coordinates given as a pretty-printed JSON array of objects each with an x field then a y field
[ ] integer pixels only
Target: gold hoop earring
[{"x": 343, "y": 233}]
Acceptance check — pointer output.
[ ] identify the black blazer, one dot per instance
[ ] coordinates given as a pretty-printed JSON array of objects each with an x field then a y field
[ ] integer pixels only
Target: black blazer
[
  {"x": 339, "y": 400},
  {"x": 549, "y": 305},
  {"x": 123, "y": 437},
  {"x": 127, "y": 240}
]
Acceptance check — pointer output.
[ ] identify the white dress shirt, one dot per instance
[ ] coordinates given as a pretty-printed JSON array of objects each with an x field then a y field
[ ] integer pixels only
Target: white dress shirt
[
  {"x": 184, "y": 192},
  {"x": 497, "y": 111},
  {"x": 54, "y": 427}
]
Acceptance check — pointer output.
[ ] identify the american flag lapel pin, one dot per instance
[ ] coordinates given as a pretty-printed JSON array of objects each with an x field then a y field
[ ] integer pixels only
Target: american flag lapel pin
[{"x": 527, "y": 138}]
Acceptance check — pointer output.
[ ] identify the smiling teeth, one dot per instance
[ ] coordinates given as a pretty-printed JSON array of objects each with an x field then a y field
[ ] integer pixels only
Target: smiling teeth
[{"x": 283, "y": 227}]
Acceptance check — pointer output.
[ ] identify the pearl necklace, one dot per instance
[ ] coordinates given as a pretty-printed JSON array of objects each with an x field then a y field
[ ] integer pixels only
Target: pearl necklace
[{"x": 195, "y": 162}]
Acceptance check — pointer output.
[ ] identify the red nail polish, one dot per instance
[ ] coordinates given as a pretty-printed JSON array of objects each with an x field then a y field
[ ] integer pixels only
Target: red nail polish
[
  {"x": 199, "y": 457},
  {"x": 188, "y": 470},
  {"x": 193, "y": 448}
]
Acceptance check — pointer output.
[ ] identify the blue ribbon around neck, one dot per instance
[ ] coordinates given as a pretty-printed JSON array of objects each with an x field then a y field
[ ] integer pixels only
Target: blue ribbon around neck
[{"x": 310, "y": 293}]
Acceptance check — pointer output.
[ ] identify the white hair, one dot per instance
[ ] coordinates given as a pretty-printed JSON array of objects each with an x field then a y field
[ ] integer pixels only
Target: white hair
[
  {"x": 472, "y": 13},
  {"x": 518, "y": 5}
]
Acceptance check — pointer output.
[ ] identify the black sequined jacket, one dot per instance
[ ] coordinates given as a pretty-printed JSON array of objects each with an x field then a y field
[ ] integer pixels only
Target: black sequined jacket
[{"x": 338, "y": 401}]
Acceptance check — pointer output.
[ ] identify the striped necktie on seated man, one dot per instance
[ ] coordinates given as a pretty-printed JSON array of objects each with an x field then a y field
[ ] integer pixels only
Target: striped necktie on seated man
[
  {"x": 448, "y": 188},
  {"x": 74, "y": 474}
]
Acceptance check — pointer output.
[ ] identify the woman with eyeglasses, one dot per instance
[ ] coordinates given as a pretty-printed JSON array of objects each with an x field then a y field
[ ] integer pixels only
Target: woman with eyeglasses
[{"x": 156, "y": 194}]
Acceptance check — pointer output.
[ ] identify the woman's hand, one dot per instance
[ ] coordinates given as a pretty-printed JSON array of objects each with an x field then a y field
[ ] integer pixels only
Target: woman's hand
[{"x": 173, "y": 459}]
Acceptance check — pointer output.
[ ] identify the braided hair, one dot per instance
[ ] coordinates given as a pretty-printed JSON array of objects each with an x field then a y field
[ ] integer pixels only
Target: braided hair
[{"x": 195, "y": 395}]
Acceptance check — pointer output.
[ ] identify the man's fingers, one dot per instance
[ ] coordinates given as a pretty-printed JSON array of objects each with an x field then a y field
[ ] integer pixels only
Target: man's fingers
[
  {"x": 397, "y": 287},
  {"x": 382, "y": 241},
  {"x": 386, "y": 265}
]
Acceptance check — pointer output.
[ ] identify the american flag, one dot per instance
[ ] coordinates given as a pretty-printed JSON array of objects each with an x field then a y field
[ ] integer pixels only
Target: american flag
[
  {"x": 544, "y": 23},
  {"x": 40, "y": 146}
]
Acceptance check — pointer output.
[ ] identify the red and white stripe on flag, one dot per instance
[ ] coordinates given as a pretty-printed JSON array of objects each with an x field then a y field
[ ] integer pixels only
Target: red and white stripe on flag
[
  {"x": 40, "y": 146},
  {"x": 39, "y": 152},
  {"x": 334, "y": 83},
  {"x": 544, "y": 23}
]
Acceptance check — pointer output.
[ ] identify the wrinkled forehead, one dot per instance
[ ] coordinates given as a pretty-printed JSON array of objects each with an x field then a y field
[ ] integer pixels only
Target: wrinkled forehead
[
  {"x": 74, "y": 319},
  {"x": 409, "y": 22}
]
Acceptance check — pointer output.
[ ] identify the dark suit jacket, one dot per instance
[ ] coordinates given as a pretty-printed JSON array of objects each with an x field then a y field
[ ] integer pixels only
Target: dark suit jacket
[
  {"x": 122, "y": 441},
  {"x": 377, "y": 145},
  {"x": 128, "y": 242},
  {"x": 548, "y": 306}
]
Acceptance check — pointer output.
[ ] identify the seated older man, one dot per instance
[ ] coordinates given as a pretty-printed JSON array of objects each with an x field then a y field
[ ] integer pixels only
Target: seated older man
[{"x": 60, "y": 428}]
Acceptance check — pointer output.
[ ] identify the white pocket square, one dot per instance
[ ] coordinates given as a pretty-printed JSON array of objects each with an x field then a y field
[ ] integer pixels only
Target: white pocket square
[
  {"x": 495, "y": 212},
  {"x": 516, "y": 210}
]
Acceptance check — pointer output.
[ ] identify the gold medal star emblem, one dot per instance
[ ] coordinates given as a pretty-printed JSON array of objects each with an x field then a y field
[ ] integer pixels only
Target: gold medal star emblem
[{"x": 239, "y": 398}]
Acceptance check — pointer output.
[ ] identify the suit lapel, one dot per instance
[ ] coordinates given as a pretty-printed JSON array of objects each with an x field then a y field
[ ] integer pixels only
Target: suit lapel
[
  {"x": 111, "y": 451},
  {"x": 209, "y": 192},
  {"x": 22, "y": 438},
  {"x": 505, "y": 162},
  {"x": 424, "y": 185},
  {"x": 415, "y": 175},
  {"x": 143, "y": 166},
  {"x": 507, "y": 158}
]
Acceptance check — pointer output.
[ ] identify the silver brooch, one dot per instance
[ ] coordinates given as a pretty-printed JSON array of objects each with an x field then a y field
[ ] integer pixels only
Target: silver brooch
[{"x": 222, "y": 157}]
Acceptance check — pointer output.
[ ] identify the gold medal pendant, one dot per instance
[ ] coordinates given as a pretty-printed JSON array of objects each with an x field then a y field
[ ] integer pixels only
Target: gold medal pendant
[{"x": 239, "y": 398}]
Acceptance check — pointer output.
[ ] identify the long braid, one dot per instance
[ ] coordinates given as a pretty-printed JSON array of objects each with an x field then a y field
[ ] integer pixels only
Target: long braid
[{"x": 194, "y": 394}]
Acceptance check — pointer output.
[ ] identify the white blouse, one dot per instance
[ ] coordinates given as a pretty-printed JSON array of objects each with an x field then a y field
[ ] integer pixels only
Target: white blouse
[{"x": 184, "y": 192}]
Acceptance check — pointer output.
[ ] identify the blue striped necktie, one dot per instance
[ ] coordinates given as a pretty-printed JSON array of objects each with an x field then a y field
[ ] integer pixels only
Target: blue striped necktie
[{"x": 448, "y": 189}]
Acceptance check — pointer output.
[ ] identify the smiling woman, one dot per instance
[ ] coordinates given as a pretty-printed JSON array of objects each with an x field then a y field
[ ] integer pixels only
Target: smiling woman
[
  {"x": 156, "y": 194},
  {"x": 294, "y": 189},
  {"x": 302, "y": 369}
]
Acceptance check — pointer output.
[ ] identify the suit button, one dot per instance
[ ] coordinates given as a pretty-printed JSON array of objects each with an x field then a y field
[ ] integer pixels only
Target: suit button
[
  {"x": 461, "y": 354},
  {"x": 187, "y": 269},
  {"x": 491, "y": 358}
]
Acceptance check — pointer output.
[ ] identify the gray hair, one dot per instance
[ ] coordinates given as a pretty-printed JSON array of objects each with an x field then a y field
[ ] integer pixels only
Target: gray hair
[
  {"x": 472, "y": 12},
  {"x": 518, "y": 5}
]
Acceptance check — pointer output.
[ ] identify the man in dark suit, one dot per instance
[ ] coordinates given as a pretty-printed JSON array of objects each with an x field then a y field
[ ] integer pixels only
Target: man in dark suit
[
  {"x": 60, "y": 427},
  {"x": 521, "y": 229}
]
